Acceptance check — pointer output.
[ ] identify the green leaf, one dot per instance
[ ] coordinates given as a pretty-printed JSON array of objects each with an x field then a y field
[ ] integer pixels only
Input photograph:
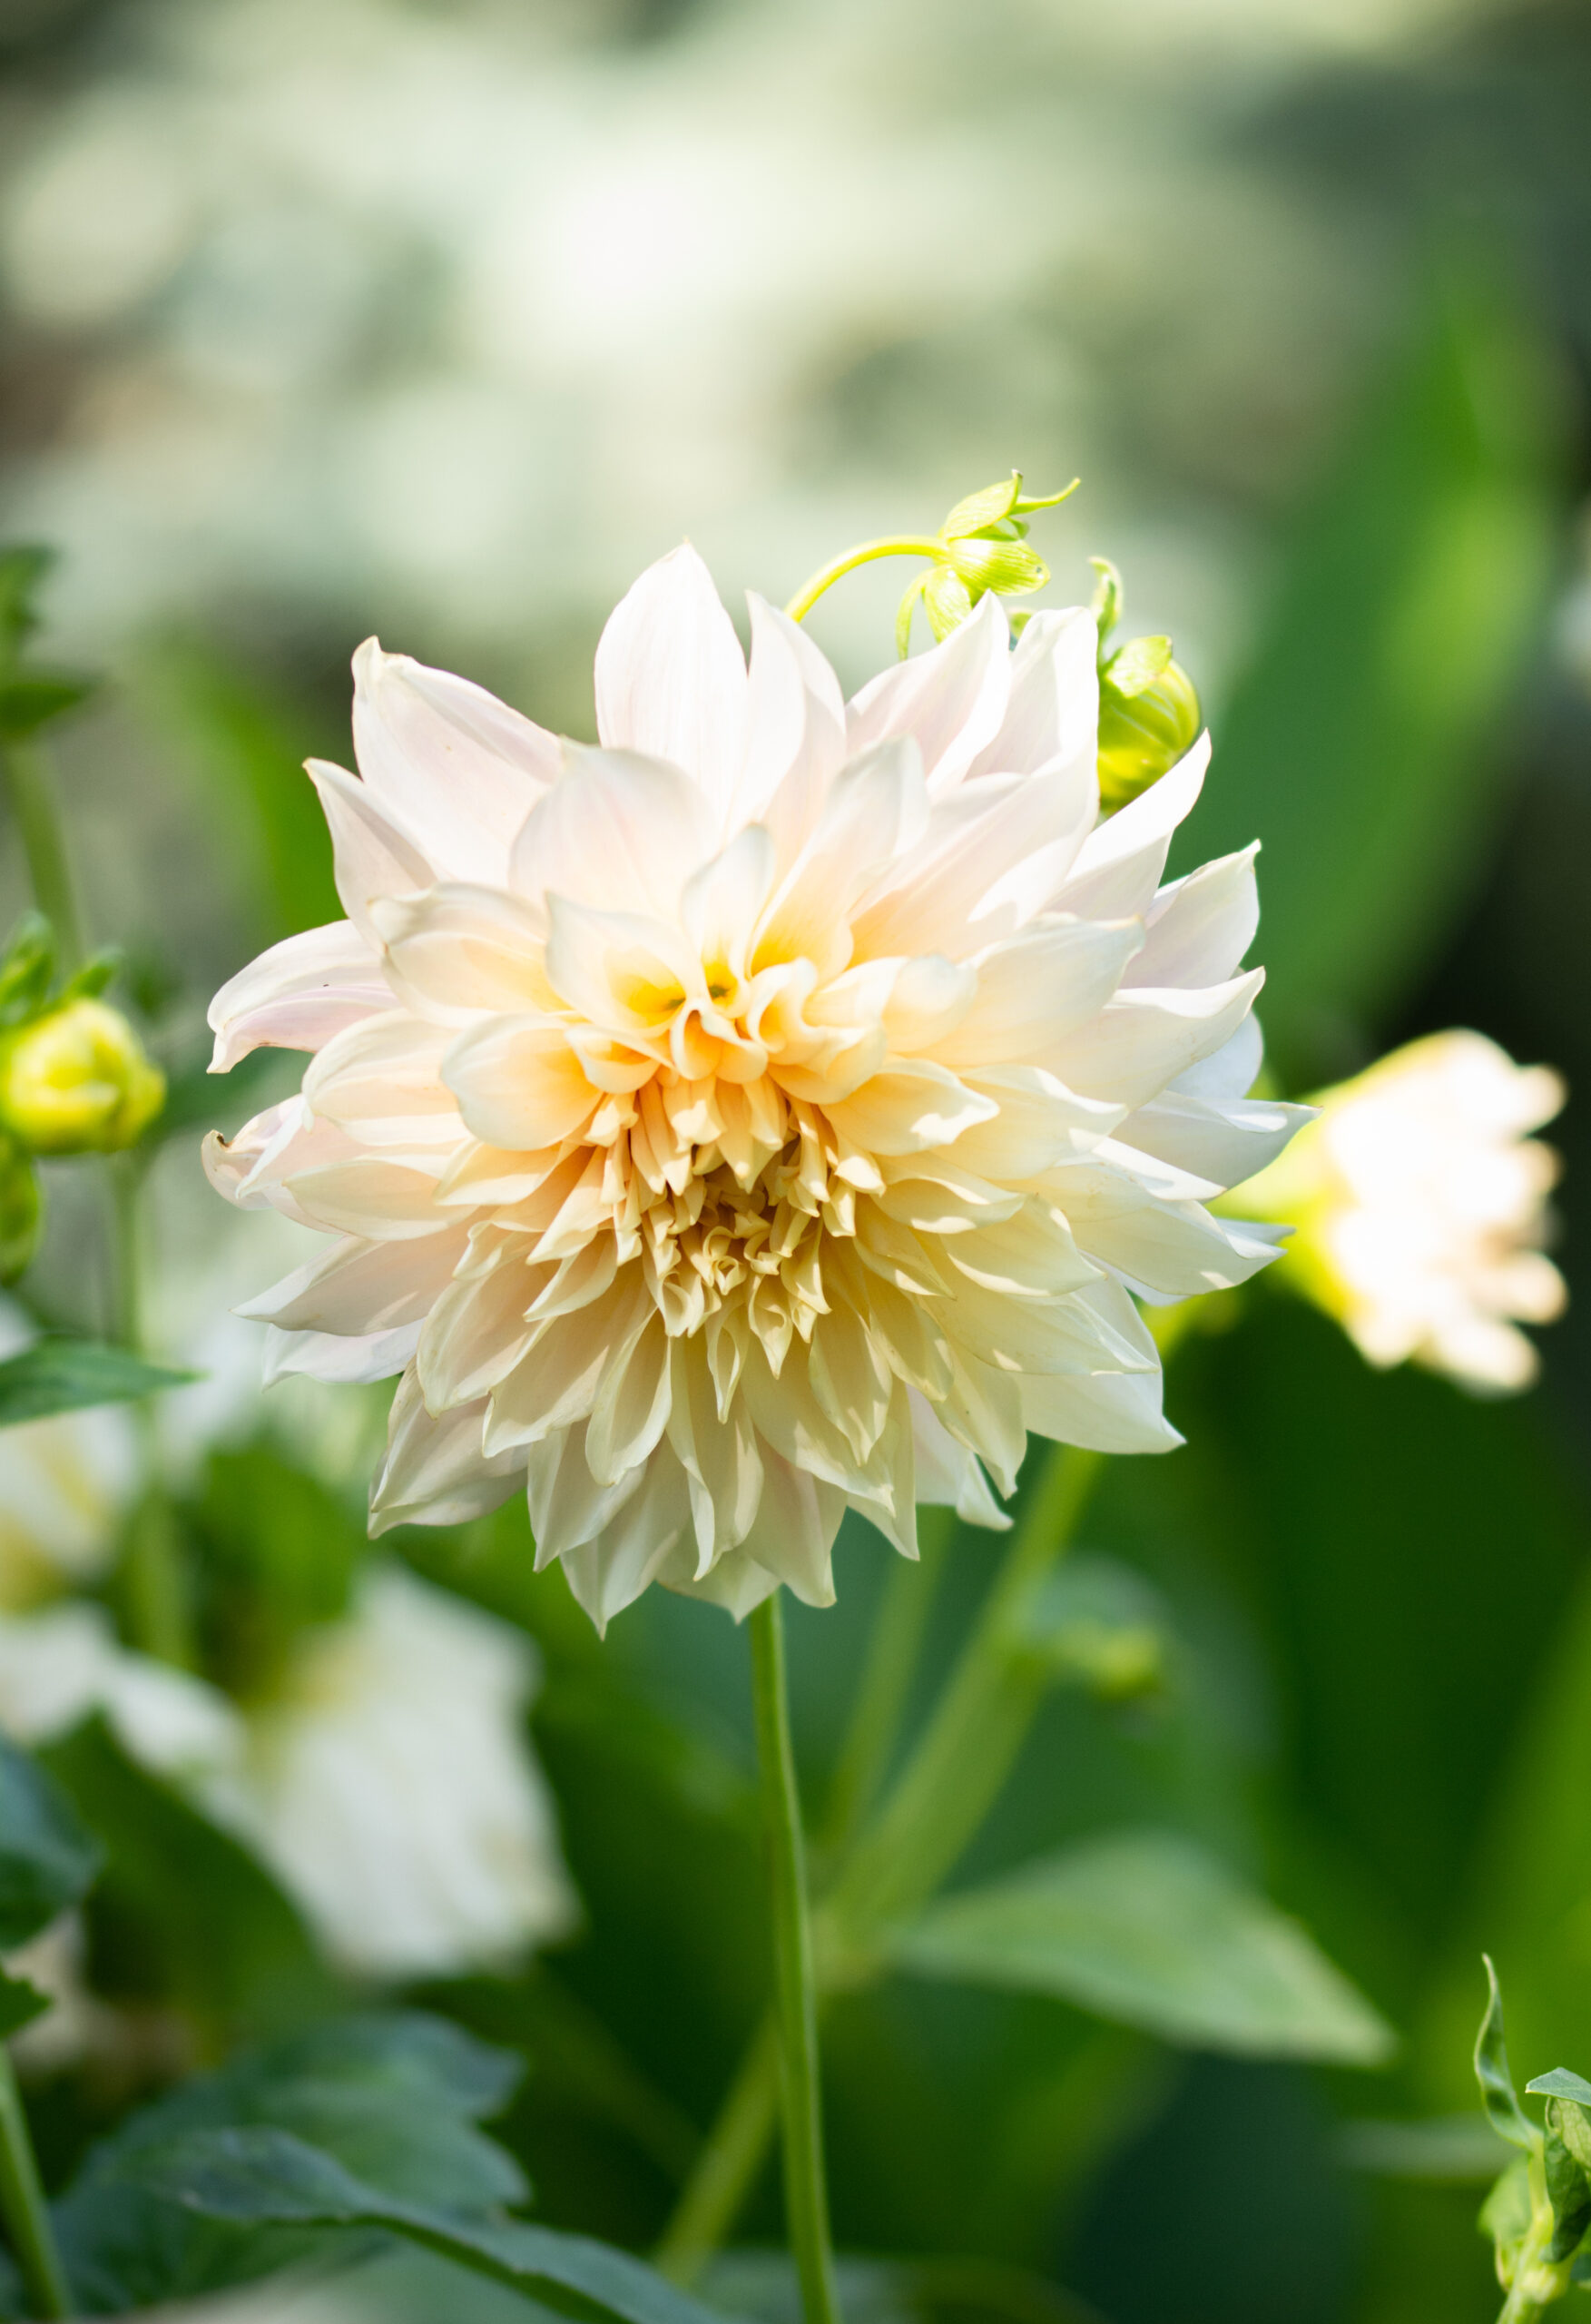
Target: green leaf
[
  {"x": 263, "y": 2176},
  {"x": 1148, "y": 1928},
  {"x": 21, "y": 569},
  {"x": 1138, "y": 664},
  {"x": 989, "y": 506},
  {"x": 1560, "y": 2084},
  {"x": 391, "y": 2099},
  {"x": 1506, "y": 2212},
  {"x": 47, "y": 1860},
  {"x": 1570, "y": 2121},
  {"x": 1359, "y": 740},
  {"x": 1507, "y": 2116},
  {"x": 20, "y": 2003},
  {"x": 187, "y": 1913},
  {"x": 28, "y": 703},
  {"x": 27, "y": 968},
  {"x": 63, "y": 1375},
  {"x": 1568, "y": 2189}
]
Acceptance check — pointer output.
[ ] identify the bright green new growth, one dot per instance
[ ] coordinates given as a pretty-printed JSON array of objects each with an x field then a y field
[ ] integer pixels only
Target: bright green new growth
[
  {"x": 1538, "y": 2213},
  {"x": 982, "y": 545},
  {"x": 1148, "y": 706}
]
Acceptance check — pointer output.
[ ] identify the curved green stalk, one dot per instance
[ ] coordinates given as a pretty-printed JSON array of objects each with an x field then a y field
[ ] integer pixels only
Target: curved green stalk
[
  {"x": 23, "y": 2207},
  {"x": 891, "y": 545},
  {"x": 806, "y": 2193}
]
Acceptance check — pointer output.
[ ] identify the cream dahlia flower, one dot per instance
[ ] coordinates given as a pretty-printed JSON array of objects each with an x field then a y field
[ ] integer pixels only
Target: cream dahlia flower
[
  {"x": 390, "y": 1785},
  {"x": 1420, "y": 1204},
  {"x": 388, "y": 1780},
  {"x": 769, "y": 1112}
]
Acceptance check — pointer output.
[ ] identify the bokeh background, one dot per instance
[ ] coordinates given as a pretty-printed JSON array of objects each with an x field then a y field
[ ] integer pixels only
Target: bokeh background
[{"x": 322, "y": 317}]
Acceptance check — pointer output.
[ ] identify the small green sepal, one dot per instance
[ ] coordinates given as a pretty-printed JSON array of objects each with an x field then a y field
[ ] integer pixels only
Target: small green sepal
[{"x": 1503, "y": 2109}]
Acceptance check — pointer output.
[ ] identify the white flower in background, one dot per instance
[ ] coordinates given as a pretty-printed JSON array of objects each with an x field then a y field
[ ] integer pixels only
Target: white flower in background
[
  {"x": 1420, "y": 1204},
  {"x": 711, "y": 1120},
  {"x": 75, "y": 2025},
  {"x": 389, "y": 1785},
  {"x": 65, "y": 1486},
  {"x": 387, "y": 1782}
]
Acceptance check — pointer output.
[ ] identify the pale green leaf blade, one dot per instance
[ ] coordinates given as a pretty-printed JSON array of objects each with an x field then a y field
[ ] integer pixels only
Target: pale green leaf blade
[
  {"x": 1560, "y": 2084},
  {"x": 61, "y": 1375},
  {"x": 1149, "y": 1928},
  {"x": 1491, "y": 2071}
]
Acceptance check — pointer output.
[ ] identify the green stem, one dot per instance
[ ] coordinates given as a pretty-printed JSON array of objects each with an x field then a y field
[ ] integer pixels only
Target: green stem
[
  {"x": 22, "y": 2206},
  {"x": 156, "y": 1596},
  {"x": 44, "y": 844},
  {"x": 805, "y": 2194},
  {"x": 936, "y": 1806},
  {"x": 891, "y": 545},
  {"x": 904, "y": 1608},
  {"x": 961, "y": 1764},
  {"x": 729, "y": 2160}
]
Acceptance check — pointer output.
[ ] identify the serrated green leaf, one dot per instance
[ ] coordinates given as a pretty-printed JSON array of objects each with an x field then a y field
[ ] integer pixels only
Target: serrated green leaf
[
  {"x": 258, "y": 2177},
  {"x": 20, "y": 2003},
  {"x": 63, "y": 1375},
  {"x": 1507, "y": 2116},
  {"x": 1147, "y": 1927},
  {"x": 47, "y": 1860},
  {"x": 980, "y": 509},
  {"x": 30, "y": 701}
]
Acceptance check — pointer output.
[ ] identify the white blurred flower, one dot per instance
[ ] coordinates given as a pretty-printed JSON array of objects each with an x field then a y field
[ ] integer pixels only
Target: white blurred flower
[
  {"x": 75, "y": 2025},
  {"x": 64, "y": 1486},
  {"x": 390, "y": 1785},
  {"x": 388, "y": 1782},
  {"x": 769, "y": 1110},
  {"x": 1419, "y": 1204}
]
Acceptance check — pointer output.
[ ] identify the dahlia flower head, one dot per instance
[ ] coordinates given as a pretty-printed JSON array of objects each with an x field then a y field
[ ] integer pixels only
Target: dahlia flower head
[
  {"x": 1420, "y": 1203},
  {"x": 770, "y": 1111}
]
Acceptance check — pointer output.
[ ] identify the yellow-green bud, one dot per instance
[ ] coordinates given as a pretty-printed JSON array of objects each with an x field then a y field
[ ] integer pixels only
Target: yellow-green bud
[
  {"x": 1148, "y": 718},
  {"x": 77, "y": 1081},
  {"x": 21, "y": 1211}
]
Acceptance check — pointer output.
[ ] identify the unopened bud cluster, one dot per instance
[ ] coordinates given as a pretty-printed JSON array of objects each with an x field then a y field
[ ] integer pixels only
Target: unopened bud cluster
[
  {"x": 981, "y": 546},
  {"x": 73, "y": 1079},
  {"x": 1148, "y": 707}
]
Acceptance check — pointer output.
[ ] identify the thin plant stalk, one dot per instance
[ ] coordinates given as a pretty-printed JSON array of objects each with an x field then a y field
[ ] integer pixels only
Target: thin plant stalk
[
  {"x": 22, "y": 2207},
  {"x": 936, "y": 1805},
  {"x": 32, "y": 799},
  {"x": 806, "y": 2193}
]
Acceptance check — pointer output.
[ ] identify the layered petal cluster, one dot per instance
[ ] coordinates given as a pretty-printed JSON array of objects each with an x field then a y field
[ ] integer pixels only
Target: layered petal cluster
[
  {"x": 1420, "y": 1205},
  {"x": 771, "y": 1111}
]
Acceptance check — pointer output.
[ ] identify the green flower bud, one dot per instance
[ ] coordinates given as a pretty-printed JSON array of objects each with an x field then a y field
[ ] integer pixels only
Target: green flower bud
[
  {"x": 1148, "y": 718},
  {"x": 76, "y": 1081},
  {"x": 22, "y": 1211}
]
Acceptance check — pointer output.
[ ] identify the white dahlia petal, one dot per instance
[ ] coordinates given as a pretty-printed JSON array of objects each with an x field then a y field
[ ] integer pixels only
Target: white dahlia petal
[
  {"x": 766, "y": 1112},
  {"x": 671, "y": 681},
  {"x": 297, "y": 995}
]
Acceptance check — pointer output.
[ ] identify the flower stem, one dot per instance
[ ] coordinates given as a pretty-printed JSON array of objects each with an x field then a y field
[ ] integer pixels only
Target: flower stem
[
  {"x": 891, "y": 545},
  {"x": 968, "y": 1748},
  {"x": 805, "y": 2194},
  {"x": 729, "y": 2159},
  {"x": 961, "y": 1764},
  {"x": 22, "y": 2206},
  {"x": 33, "y": 805}
]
